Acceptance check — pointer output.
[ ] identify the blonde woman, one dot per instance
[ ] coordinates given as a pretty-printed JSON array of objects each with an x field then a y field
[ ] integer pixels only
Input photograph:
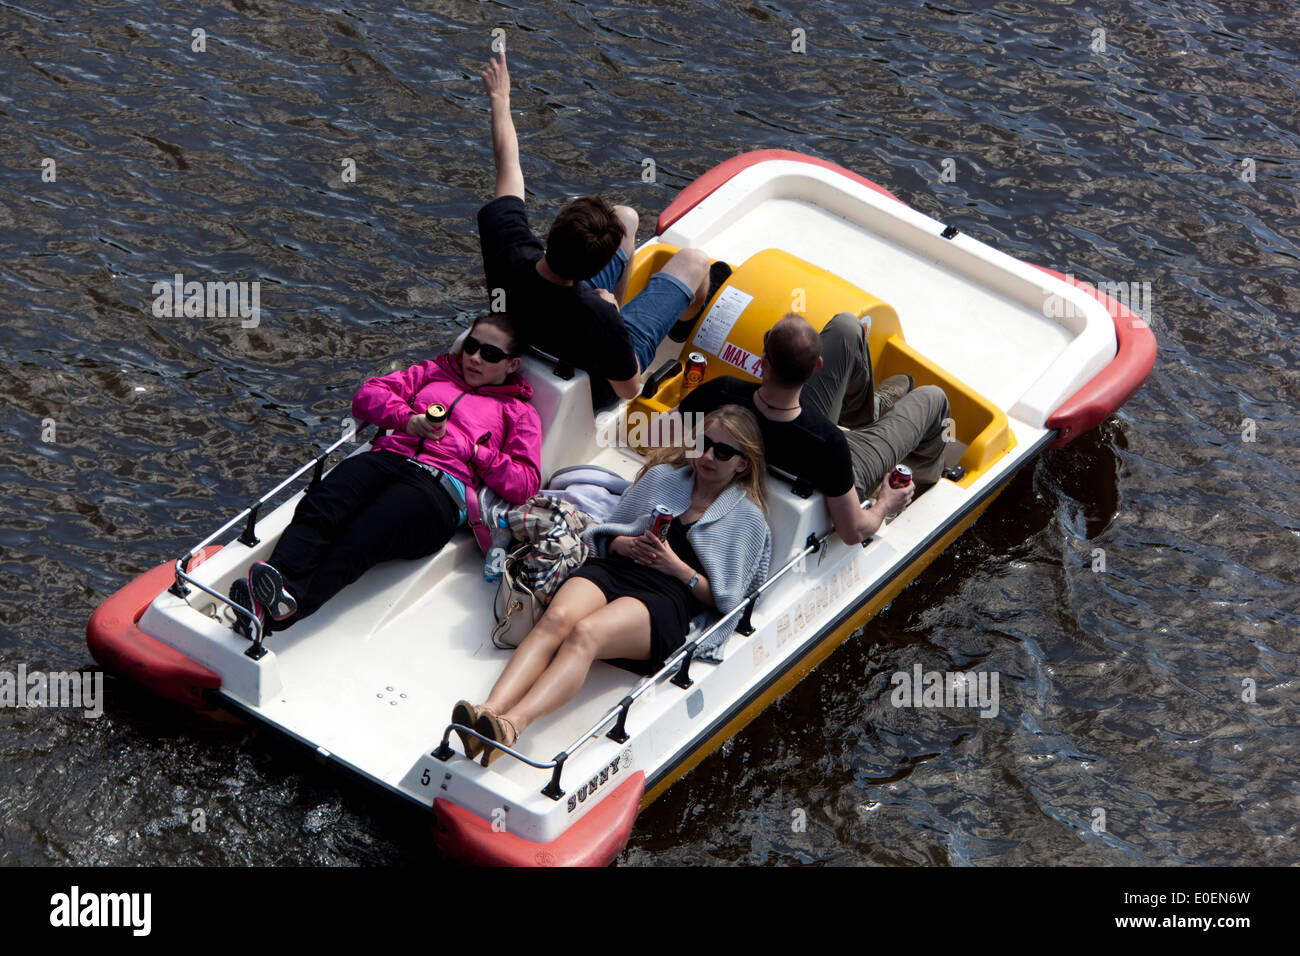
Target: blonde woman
[{"x": 636, "y": 598}]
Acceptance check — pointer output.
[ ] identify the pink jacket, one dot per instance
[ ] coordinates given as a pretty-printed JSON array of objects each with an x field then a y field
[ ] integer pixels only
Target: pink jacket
[{"x": 494, "y": 436}]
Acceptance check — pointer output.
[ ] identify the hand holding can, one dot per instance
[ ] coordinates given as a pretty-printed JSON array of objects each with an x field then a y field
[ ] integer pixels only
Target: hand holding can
[
  {"x": 900, "y": 477},
  {"x": 660, "y": 519},
  {"x": 901, "y": 489},
  {"x": 436, "y": 415}
]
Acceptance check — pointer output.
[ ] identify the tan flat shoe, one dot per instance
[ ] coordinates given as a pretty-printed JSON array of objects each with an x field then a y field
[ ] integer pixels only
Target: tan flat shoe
[
  {"x": 467, "y": 715},
  {"x": 499, "y": 729}
]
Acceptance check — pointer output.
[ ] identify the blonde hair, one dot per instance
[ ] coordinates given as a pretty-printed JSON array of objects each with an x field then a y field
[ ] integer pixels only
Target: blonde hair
[{"x": 742, "y": 426}]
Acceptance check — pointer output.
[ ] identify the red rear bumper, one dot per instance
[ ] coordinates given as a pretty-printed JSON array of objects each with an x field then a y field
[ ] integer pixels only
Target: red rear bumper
[
  {"x": 1110, "y": 388},
  {"x": 595, "y": 840},
  {"x": 118, "y": 644}
]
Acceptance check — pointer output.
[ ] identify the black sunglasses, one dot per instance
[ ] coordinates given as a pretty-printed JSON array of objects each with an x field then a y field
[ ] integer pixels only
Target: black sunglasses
[
  {"x": 721, "y": 450},
  {"x": 490, "y": 352}
]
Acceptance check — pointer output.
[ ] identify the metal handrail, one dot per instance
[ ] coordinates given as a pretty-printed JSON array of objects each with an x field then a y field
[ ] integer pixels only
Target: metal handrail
[
  {"x": 679, "y": 661},
  {"x": 257, "y": 650},
  {"x": 257, "y": 623},
  {"x": 444, "y": 751},
  {"x": 812, "y": 545},
  {"x": 681, "y": 658},
  {"x": 552, "y": 789},
  {"x": 269, "y": 495}
]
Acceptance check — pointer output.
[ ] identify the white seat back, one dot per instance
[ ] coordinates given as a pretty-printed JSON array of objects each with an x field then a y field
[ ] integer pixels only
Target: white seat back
[
  {"x": 792, "y": 519},
  {"x": 564, "y": 406}
]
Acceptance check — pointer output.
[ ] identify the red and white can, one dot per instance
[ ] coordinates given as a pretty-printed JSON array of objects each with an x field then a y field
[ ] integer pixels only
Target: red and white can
[
  {"x": 660, "y": 519},
  {"x": 696, "y": 365},
  {"x": 900, "y": 477}
]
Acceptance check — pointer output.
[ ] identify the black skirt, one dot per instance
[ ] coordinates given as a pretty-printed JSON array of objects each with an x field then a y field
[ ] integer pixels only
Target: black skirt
[
  {"x": 665, "y": 598},
  {"x": 669, "y": 601}
]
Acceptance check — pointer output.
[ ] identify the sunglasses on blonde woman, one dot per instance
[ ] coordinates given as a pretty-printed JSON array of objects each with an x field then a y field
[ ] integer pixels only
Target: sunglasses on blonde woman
[{"x": 721, "y": 450}]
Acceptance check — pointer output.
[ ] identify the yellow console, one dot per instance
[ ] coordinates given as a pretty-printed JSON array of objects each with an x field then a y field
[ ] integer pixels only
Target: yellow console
[{"x": 773, "y": 283}]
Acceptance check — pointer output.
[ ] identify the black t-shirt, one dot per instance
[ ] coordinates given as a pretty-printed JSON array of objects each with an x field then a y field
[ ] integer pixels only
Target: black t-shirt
[
  {"x": 572, "y": 323},
  {"x": 681, "y": 544},
  {"x": 810, "y": 447}
]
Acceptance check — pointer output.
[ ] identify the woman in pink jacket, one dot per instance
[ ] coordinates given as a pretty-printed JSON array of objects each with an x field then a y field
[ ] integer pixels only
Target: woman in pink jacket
[{"x": 405, "y": 497}]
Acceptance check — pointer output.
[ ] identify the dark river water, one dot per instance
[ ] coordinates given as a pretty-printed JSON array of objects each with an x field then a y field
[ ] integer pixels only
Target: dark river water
[{"x": 1148, "y": 710}]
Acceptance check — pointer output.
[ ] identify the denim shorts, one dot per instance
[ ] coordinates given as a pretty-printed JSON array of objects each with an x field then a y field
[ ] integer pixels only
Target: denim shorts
[
  {"x": 608, "y": 277},
  {"x": 652, "y": 312}
]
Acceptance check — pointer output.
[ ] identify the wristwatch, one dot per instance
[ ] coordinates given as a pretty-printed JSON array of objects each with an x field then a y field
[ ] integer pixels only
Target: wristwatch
[{"x": 690, "y": 585}]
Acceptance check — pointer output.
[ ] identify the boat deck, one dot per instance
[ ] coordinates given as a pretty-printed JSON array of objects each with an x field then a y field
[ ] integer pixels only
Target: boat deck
[
  {"x": 372, "y": 677},
  {"x": 370, "y": 680}
]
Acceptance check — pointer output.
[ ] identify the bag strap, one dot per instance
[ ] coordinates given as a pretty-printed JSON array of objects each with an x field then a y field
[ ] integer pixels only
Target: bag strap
[
  {"x": 511, "y": 585},
  {"x": 500, "y": 627}
]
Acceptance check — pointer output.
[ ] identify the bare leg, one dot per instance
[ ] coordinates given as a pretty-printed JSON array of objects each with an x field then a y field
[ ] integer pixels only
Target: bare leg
[
  {"x": 630, "y": 220},
  {"x": 576, "y": 599},
  {"x": 621, "y": 629},
  {"x": 692, "y": 267}
]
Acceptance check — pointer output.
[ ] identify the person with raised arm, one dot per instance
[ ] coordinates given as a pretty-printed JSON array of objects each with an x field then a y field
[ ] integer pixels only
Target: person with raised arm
[{"x": 566, "y": 295}]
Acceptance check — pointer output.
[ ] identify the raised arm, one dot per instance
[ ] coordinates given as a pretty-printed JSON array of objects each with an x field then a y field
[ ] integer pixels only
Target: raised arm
[{"x": 505, "y": 143}]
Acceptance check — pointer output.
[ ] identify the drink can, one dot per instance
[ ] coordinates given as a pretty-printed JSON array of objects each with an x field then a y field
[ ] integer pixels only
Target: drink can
[
  {"x": 900, "y": 477},
  {"x": 696, "y": 364},
  {"x": 660, "y": 519},
  {"x": 436, "y": 413}
]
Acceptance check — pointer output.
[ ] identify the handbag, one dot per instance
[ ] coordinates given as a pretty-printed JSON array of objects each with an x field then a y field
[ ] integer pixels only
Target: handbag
[
  {"x": 516, "y": 608},
  {"x": 531, "y": 575}
]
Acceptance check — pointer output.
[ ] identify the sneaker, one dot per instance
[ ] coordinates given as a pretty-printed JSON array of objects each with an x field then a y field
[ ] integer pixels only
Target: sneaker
[
  {"x": 243, "y": 624},
  {"x": 891, "y": 390},
  {"x": 267, "y": 585},
  {"x": 719, "y": 272}
]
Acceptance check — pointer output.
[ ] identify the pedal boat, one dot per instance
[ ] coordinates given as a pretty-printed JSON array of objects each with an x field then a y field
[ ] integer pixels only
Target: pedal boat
[{"x": 1029, "y": 359}]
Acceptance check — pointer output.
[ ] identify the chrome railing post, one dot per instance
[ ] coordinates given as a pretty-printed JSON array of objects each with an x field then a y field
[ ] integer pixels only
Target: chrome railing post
[
  {"x": 746, "y": 626},
  {"x": 552, "y": 789},
  {"x": 178, "y": 587},
  {"x": 683, "y": 676},
  {"x": 258, "y": 649},
  {"x": 249, "y": 538},
  {"x": 618, "y": 733},
  {"x": 443, "y": 751}
]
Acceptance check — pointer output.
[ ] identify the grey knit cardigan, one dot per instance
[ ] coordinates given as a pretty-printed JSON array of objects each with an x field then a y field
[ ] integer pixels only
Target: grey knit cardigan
[{"x": 731, "y": 539}]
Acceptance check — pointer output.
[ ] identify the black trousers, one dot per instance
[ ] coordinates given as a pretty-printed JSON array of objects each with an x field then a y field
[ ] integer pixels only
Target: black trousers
[{"x": 372, "y": 507}]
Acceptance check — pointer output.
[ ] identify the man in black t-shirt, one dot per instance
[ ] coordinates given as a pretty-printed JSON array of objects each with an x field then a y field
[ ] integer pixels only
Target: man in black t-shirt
[
  {"x": 564, "y": 295},
  {"x": 801, "y": 398}
]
